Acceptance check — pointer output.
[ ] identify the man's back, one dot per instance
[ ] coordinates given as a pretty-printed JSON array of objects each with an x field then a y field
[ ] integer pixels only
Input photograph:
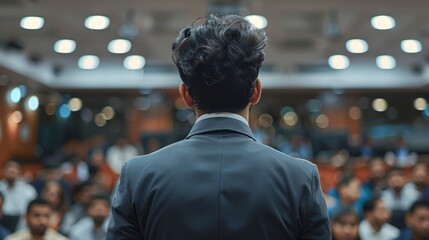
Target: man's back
[{"x": 219, "y": 184}]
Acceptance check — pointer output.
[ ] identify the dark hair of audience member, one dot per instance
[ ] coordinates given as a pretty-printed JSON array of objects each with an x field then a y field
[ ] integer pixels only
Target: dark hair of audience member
[
  {"x": 218, "y": 59},
  {"x": 369, "y": 205},
  {"x": 339, "y": 217},
  {"x": 417, "y": 204},
  {"x": 37, "y": 201}
]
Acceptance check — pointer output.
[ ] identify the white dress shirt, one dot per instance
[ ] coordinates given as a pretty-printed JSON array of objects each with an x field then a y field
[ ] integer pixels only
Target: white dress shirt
[{"x": 387, "y": 232}]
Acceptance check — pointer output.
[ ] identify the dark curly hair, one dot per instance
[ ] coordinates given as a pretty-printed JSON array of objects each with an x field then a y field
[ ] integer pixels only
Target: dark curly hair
[{"x": 218, "y": 59}]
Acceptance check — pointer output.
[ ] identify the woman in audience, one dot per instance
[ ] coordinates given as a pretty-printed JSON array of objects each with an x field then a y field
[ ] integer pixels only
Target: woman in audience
[{"x": 53, "y": 193}]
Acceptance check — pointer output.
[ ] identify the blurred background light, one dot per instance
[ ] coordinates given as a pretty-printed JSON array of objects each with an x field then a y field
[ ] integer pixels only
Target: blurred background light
[
  {"x": 97, "y": 22},
  {"x": 65, "y": 46},
  {"x": 383, "y": 22},
  {"x": 134, "y": 62},
  {"x": 75, "y": 104},
  {"x": 32, "y": 22},
  {"x": 379, "y": 105},
  {"x": 338, "y": 62},
  {"x": 119, "y": 46},
  {"x": 64, "y": 111},
  {"x": 420, "y": 104},
  {"x": 385, "y": 62},
  {"x": 259, "y": 21},
  {"x": 357, "y": 46},
  {"x": 88, "y": 62},
  {"x": 33, "y": 103},
  {"x": 411, "y": 46}
]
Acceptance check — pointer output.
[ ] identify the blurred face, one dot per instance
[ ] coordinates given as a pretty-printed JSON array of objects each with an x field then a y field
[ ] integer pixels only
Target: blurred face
[
  {"x": 377, "y": 170},
  {"x": 419, "y": 222},
  {"x": 11, "y": 171},
  {"x": 419, "y": 175},
  {"x": 52, "y": 193},
  {"x": 99, "y": 211},
  {"x": 351, "y": 192},
  {"x": 346, "y": 229},
  {"x": 85, "y": 195},
  {"x": 38, "y": 219},
  {"x": 380, "y": 215},
  {"x": 396, "y": 181},
  {"x": 98, "y": 158}
]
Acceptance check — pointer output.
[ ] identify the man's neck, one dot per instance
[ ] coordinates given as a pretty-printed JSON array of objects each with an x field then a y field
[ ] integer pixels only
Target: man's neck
[{"x": 244, "y": 113}]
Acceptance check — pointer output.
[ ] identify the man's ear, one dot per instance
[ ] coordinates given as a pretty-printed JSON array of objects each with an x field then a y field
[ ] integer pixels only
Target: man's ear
[
  {"x": 186, "y": 97},
  {"x": 257, "y": 91}
]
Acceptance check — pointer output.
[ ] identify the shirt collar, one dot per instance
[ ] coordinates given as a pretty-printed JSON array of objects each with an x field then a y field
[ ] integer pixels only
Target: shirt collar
[{"x": 222, "y": 114}]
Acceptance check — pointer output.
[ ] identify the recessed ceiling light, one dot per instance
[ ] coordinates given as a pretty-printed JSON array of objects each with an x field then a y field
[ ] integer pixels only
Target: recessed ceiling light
[
  {"x": 385, "y": 62},
  {"x": 379, "y": 105},
  {"x": 383, "y": 22},
  {"x": 88, "y": 62},
  {"x": 119, "y": 46},
  {"x": 65, "y": 46},
  {"x": 134, "y": 62},
  {"x": 411, "y": 46},
  {"x": 32, "y": 22},
  {"x": 338, "y": 62},
  {"x": 97, "y": 22},
  {"x": 357, "y": 46},
  {"x": 259, "y": 21}
]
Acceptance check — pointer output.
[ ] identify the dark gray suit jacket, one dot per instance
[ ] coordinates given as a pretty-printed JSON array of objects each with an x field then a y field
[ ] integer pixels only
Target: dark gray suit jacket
[{"x": 218, "y": 183}]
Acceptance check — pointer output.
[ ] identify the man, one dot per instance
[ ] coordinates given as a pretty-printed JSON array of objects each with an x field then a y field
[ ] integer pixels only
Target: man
[
  {"x": 345, "y": 224},
  {"x": 37, "y": 220},
  {"x": 375, "y": 226},
  {"x": 396, "y": 197},
  {"x": 93, "y": 227},
  {"x": 417, "y": 220},
  {"x": 219, "y": 183},
  {"x": 17, "y": 193},
  {"x": 349, "y": 195},
  {"x": 9, "y": 222},
  {"x": 82, "y": 195}
]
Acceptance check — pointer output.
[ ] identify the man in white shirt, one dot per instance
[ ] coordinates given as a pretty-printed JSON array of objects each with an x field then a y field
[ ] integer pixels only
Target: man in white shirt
[
  {"x": 17, "y": 193},
  {"x": 375, "y": 226},
  {"x": 120, "y": 152},
  {"x": 396, "y": 196}
]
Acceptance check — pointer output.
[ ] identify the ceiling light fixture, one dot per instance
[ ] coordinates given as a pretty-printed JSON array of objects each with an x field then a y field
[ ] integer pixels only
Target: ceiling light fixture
[
  {"x": 88, "y": 62},
  {"x": 383, "y": 22},
  {"x": 119, "y": 46},
  {"x": 385, "y": 62},
  {"x": 338, "y": 62},
  {"x": 357, "y": 46},
  {"x": 134, "y": 62},
  {"x": 32, "y": 22},
  {"x": 97, "y": 22},
  {"x": 65, "y": 46},
  {"x": 411, "y": 46}
]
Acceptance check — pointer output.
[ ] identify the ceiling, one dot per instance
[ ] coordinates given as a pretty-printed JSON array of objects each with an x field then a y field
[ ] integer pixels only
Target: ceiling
[{"x": 302, "y": 35}]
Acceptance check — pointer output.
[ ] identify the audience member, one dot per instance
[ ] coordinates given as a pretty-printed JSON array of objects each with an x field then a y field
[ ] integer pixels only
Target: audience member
[
  {"x": 367, "y": 150},
  {"x": 37, "y": 218},
  {"x": 17, "y": 193},
  {"x": 53, "y": 193},
  {"x": 93, "y": 227},
  {"x": 417, "y": 220},
  {"x": 105, "y": 177},
  {"x": 349, "y": 191},
  {"x": 75, "y": 170},
  {"x": 345, "y": 225},
  {"x": 396, "y": 197},
  {"x": 9, "y": 222},
  {"x": 120, "y": 152},
  {"x": 418, "y": 179},
  {"x": 375, "y": 226},
  {"x": 83, "y": 194},
  {"x": 377, "y": 180}
]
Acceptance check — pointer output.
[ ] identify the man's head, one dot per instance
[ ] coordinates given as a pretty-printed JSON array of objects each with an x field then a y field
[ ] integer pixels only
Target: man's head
[
  {"x": 377, "y": 168},
  {"x": 38, "y": 213},
  {"x": 11, "y": 171},
  {"x": 218, "y": 59},
  {"x": 349, "y": 189},
  {"x": 419, "y": 175},
  {"x": 395, "y": 179},
  {"x": 99, "y": 209},
  {"x": 345, "y": 224},
  {"x": 417, "y": 219},
  {"x": 84, "y": 192},
  {"x": 376, "y": 212}
]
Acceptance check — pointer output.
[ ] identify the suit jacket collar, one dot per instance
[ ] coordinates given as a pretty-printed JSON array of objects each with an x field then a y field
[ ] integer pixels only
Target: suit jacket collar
[{"x": 220, "y": 124}]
